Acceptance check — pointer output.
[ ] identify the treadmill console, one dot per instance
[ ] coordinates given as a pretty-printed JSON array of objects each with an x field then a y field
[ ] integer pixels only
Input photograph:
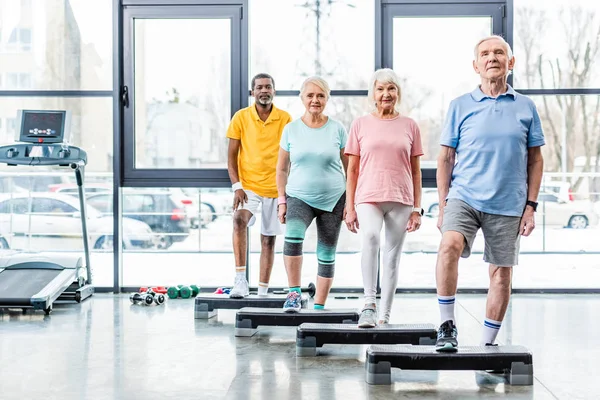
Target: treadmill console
[{"x": 43, "y": 137}]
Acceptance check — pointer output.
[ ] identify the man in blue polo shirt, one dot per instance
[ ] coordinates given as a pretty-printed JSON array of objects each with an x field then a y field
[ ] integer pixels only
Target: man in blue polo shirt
[{"x": 489, "y": 175}]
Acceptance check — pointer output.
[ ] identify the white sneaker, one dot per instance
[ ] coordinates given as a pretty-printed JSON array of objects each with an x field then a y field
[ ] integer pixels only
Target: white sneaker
[{"x": 240, "y": 288}]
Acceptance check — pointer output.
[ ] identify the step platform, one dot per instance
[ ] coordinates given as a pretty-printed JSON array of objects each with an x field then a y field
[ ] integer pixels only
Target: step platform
[
  {"x": 248, "y": 320},
  {"x": 311, "y": 336},
  {"x": 516, "y": 361},
  {"x": 206, "y": 305}
]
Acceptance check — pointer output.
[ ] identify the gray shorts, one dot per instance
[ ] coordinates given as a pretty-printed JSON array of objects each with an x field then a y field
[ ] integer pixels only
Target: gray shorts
[{"x": 500, "y": 232}]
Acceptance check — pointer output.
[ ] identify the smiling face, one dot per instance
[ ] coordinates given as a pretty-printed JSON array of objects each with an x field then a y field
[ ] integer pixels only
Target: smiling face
[
  {"x": 263, "y": 91},
  {"x": 386, "y": 95},
  {"x": 493, "y": 61},
  {"x": 314, "y": 98}
]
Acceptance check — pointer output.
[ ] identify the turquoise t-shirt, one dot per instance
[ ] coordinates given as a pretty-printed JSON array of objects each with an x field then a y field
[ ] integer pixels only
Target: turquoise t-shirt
[{"x": 316, "y": 171}]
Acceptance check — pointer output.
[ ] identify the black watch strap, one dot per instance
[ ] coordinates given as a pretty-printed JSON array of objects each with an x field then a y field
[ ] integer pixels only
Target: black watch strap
[{"x": 533, "y": 204}]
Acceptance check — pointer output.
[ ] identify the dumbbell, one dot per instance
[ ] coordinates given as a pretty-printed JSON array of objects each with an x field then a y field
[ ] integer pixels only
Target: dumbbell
[
  {"x": 185, "y": 292},
  {"x": 311, "y": 290},
  {"x": 142, "y": 298},
  {"x": 155, "y": 289}
]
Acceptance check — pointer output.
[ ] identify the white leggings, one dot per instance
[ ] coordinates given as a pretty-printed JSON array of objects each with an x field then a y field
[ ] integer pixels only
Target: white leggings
[{"x": 370, "y": 219}]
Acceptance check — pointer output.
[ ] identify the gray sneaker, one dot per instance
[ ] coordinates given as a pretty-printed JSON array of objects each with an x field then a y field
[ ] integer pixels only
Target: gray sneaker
[
  {"x": 240, "y": 288},
  {"x": 368, "y": 317}
]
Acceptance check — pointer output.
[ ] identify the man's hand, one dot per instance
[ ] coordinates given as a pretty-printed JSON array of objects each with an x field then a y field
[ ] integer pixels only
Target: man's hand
[
  {"x": 414, "y": 222},
  {"x": 527, "y": 221},
  {"x": 239, "y": 198},
  {"x": 281, "y": 211}
]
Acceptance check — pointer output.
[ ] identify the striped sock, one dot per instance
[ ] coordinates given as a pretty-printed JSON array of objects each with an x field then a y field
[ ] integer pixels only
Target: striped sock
[
  {"x": 490, "y": 331},
  {"x": 263, "y": 288},
  {"x": 240, "y": 271},
  {"x": 319, "y": 306},
  {"x": 446, "y": 304}
]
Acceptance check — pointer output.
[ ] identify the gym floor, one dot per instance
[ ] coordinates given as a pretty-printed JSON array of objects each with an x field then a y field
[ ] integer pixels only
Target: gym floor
[{"x": 106, "y": 348}]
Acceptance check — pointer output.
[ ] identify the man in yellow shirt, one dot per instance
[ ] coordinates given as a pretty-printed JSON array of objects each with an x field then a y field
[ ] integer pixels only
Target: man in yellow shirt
[{"x": 254, "y": 134}]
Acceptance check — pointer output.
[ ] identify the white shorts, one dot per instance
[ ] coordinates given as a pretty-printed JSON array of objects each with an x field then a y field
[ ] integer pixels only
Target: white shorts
[{"x": 270, "y": 225}]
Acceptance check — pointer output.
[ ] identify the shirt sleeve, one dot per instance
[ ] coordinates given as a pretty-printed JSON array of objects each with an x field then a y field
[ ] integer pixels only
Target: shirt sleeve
[
  {"x": 343, "y": 136},
  {"x": 235, "y": 127},
  {"x": 450, "y": 132},
  {"x": 417, "y": 146},
  {"x": 535, "y": 136},
  {"x": 284, "y": 142},
  {"x": 352, "y": 145}
]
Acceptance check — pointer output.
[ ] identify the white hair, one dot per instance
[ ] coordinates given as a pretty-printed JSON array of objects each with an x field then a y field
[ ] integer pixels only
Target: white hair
[
  {"x": 509, "y": 52},
  {"x": 383, "y": 75},
  {"x": 317, "y": 81}
]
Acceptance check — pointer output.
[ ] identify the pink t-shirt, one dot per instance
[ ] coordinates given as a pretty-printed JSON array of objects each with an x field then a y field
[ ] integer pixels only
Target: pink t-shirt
[{"x": 385, "y": 147}]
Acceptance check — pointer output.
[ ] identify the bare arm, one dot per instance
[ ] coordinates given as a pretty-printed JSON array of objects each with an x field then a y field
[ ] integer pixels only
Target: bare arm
[
  {"x": 344, "y": 159},
  {"x": 283, "y": 170},
  {"x": 232, "y": 160},
  {"x": 352, "y": 179},
  {"x": 444, "y": 173},
  {"x": 535, "y": 170},
  {"x": 415, "y": 166}
]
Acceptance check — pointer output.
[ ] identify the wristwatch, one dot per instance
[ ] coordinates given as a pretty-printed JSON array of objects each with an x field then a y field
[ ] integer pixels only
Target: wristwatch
[
  {"x": 418, "y": 210},
  {"x": 533, "y": 204}
]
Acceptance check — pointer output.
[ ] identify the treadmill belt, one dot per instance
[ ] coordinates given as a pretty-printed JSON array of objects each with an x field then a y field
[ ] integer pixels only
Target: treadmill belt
[{"x": 19, "y": 285}]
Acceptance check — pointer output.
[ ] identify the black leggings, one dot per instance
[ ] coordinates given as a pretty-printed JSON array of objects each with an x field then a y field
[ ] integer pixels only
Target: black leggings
[{"x": 299, "y": 216}]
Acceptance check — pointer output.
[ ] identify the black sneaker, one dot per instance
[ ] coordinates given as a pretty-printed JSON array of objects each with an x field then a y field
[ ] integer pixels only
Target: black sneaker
[{"x": 446, "y": 339}]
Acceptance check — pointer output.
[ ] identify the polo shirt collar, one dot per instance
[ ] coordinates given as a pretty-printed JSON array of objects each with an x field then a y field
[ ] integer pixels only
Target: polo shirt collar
[
  {"x": 274, "y": 116},
  {"x": 478, "y": 95}
]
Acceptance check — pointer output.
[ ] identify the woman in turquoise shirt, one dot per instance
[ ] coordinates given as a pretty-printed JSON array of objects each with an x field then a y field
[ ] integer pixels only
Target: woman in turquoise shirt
[{"x": 311, "y": 184}]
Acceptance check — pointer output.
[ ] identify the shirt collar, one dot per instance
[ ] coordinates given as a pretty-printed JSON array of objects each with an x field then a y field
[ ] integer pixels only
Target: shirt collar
[
  {"x": 478, "y": 95},
  {"x": 274, "y": 116}
]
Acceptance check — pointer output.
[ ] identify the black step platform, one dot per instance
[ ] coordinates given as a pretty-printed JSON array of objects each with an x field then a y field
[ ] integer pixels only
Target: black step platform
[
  {"x": 206, "y": 305},
  {"x": 247, "y": 320},
  {"x": 517, "y": 361},
  {"x": 310, "y": 336}
]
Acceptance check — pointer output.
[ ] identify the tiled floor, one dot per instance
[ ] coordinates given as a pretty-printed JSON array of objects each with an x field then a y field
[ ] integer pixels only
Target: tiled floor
[{"x": 106, "y": 348}]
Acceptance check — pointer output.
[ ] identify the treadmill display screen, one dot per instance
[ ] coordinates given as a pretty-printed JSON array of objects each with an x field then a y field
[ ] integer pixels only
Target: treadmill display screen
[{"x": 42, "y": 126}]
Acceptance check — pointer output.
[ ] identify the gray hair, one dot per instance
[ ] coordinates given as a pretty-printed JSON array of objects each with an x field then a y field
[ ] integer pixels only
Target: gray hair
[
  {"x": 317, "y": 81},
  {"x": 383, "y": 75},
  {"x": 492, "y": 37}
]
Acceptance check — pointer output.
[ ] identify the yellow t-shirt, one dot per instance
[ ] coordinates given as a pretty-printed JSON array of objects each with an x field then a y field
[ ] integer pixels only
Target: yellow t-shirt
[{"x": 259, "y": 148}]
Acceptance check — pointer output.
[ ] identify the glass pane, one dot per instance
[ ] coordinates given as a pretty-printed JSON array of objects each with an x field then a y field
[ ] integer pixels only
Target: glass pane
[
  {"x": 566, "y": 55},
  {"x": 334, "y": 39},
  {"x": 182, "y": 106},
  {"x": 431, "y": 79},
  {"x": 59, "y": 44}
]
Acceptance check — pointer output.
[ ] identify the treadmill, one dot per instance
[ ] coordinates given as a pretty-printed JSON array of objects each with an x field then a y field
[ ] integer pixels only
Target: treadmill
[{"x": 37, "y": 279}]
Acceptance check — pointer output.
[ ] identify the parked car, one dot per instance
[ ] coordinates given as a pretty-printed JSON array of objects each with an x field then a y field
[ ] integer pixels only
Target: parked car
[
  {"x": 53, "y": 221},
  {"x": 577, "y": 214},
  {"x": 158, "y": 208}
]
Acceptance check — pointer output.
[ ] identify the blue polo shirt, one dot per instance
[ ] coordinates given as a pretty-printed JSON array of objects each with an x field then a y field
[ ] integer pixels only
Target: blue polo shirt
[{"x": 491, "y": 137}]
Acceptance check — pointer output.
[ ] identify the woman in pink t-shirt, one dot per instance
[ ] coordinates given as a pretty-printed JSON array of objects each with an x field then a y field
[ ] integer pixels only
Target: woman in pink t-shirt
[{"x": 383, "y": 187}]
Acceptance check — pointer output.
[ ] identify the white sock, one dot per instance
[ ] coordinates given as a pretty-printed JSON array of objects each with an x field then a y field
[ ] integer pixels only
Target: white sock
[
  {"x": 447, "y": 308},
  {"x": 263, "y": 288},
  {"x": 490, "y": 331},
  {"x": 240, "y": 272}
]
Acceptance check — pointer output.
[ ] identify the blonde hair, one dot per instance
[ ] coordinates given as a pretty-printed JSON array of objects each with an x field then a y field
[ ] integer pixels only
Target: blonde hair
[
  {"x": 509, "y": 52},
  {"x": 383, "y": 75},
  {"x": 317, "y": 81}
]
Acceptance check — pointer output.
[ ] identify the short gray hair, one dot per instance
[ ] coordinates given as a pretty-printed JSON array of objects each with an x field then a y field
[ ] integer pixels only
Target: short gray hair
[
  {"x": 317, "y": 81},
  {"x": 383, "y": 75},
  {"x": 492, "y": 37}
]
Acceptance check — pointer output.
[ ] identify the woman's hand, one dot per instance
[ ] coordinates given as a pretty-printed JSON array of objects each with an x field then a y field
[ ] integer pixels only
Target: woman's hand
[
  {"x": 414, "y": 222},
  {"x": 281, "y": 211},
  {"x": 351, "y": 219}
]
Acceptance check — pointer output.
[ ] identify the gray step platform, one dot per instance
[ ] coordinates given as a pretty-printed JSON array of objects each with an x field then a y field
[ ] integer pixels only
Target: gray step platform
[
  {"x": 247, "y": 320},
  {"x": 517, "y": 361},
  {"x": 310, "y": 336},
  {"x": 206, "y": 305}
]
